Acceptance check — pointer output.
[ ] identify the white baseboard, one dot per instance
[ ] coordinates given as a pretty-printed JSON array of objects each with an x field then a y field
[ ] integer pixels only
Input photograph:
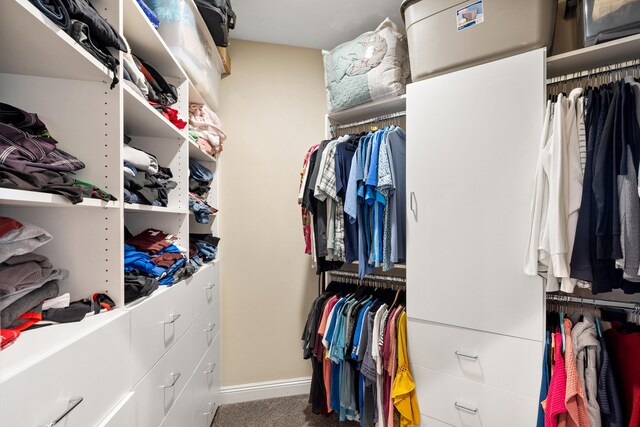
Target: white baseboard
[{"x": 264, "y": 390}]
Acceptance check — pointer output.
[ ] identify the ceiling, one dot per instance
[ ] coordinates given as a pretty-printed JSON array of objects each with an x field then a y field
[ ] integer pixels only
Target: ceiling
[{"x": 316, "y": 24}]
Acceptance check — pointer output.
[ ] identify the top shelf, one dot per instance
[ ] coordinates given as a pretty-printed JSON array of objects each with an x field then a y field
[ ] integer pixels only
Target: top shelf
[
  {"x": 146, "y": 43},
  {"x": 612, "y": 52},
  {"x": 59, "y": 57},
  {"x": 367, "y": 111}
]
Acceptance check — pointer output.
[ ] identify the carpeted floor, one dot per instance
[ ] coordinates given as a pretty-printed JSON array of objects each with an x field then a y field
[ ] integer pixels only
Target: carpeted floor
[{"x": 292, "y": 411}]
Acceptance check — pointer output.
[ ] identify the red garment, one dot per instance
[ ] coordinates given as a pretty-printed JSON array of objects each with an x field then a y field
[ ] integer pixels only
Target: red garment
[
  {"x": 557, "y": 388},
  {"x": 166, "y": 259},
  {"x": 624, "y": 352},
  {"x": 170, "y": 114},
  {"x": 8, "y": 224},
  {"x": 8, "y": 337},
  {"x": 151, "y": 241},
  {"x": 306, "y": 215}
]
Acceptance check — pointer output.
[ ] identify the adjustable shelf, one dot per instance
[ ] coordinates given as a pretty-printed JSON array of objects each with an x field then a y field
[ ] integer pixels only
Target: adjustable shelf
[
  {"x": 196, "y": 153},
  {"x": 38, "y": 47},
  {"x": 612, "y": 52},
  {"x": 24, "y": 198},
  {"x": 135, "y": 207},
  {"x": 141, "y": 119},
  {"x": 367, "y": 111}
]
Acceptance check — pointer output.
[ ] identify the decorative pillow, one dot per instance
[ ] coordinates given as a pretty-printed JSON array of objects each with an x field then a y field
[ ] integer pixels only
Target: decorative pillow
[{"x": 371, "y": 67}]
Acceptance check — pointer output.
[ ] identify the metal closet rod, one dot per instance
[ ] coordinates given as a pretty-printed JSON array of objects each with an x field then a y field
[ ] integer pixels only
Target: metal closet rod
[
  {"x": 371, "y": 120},
  {"x": 594, "y": 71},
  {"x": 369, "y": 277},
  {"x": 633, "y": 306}
]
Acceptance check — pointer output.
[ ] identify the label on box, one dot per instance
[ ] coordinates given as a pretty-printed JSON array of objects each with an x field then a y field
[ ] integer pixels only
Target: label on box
[{"x": 470, "y": 15}]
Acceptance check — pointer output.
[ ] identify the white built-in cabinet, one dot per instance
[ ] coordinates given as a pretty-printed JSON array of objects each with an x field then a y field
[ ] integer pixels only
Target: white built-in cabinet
[
  {"x": 475, "y": 321},
  {"x": 155, "y": 361}
]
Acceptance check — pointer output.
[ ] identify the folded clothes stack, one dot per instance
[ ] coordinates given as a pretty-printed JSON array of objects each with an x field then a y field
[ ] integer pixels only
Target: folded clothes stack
[
  {"x": 203, "y": 248},
  {"x": 205, "y": 129},
  {"x": 30, "y": 159},
  {"x": 145, "y": 182},
  {"x": 86, "y": 26},
  {"x": 200, "y": 179},
  {"x": 152, "y": 258},
  {"x": 29, "y": 285}
]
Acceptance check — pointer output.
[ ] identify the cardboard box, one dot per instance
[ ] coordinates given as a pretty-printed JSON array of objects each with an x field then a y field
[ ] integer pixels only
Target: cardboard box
[{"x": 226, "y": 60}]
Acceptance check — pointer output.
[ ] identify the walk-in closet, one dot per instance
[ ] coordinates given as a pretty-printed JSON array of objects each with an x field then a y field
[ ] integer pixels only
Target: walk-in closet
[{"x": 375, "y": 213}]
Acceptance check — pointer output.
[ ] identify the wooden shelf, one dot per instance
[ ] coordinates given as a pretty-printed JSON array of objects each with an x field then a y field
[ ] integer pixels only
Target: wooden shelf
[
  {"x": 146, "y": 43},
  {"x": 612, "y": 52},
  {"x": 196, "y": 153},
  {"x": 370, "y": 110},
  {"x": 141, "y": 119},
  {"x": 36, "y": 46},
  {"x": 135, "y": 207},
  {"x": 12, "y": 197}
]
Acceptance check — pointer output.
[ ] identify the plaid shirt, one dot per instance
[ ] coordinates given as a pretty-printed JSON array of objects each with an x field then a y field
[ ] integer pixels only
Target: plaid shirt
[{"x": 326, "y": 187}]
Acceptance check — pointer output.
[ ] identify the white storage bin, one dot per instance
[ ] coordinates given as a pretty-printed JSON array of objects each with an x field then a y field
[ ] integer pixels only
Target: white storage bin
[{"x": 447, "y": 35}]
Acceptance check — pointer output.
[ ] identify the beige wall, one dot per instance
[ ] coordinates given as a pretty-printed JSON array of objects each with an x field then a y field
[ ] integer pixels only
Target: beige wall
[{"x": 272, "y": 107}]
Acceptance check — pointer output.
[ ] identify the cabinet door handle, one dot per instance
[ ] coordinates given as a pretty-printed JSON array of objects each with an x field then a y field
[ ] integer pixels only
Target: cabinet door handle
[
  {"x": 210, "y": 287},
  {"x": 210, "y": 371},
  {"x": 73, "y": 402},
  {"x": 465, "y": 408},
  {"x": 176, "y": 377},
  {"x": 466, "y": 356},
  {"x": 414, "y": 209},
  {"x": 211, "y": 327},
  {"x": 174, "y": 317},
  {"x": 210, "y": 409}
]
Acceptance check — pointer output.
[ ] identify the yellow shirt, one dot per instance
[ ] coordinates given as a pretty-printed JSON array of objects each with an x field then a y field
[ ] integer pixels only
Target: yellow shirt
[{"x": 403, "y": 392}]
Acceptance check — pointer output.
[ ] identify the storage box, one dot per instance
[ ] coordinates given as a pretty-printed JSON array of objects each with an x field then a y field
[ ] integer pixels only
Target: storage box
[
  {"x": 605, "y": 20},
  {"x": 447, "y": 35},
  {"x": 226, "y": 60}
]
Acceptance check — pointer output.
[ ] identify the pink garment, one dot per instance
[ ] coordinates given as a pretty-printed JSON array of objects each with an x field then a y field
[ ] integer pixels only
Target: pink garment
[
  {"x": 577, "y": 414},
  {"x": 386, "y": 353},
  {"x": 557, "y": 388},
  {"x": 392, "y": 362},
  {"x": 207, "y": 126}
]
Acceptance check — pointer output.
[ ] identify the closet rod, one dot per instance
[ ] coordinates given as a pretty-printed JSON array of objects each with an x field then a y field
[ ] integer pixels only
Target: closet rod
[
  {"x": 594, "y": 71},
  {"x": 370, "y": 277},
  {"x": 371, "y": 120},
  {"x": 562, "y": 299}
]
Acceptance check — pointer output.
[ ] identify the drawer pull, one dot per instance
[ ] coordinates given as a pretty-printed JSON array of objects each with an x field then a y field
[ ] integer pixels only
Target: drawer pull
[
  {"x": 73, "y": 402},
  {"x": 176, "y": 377},
  {"x": 465, "y": 408},
  {"x": 210, "y": 287},
  {"x": 213, "y": 366},
  {"x": 211, "y": 327},
  {"x": 210, "y": 410},
  {"x": 174, "y": 317},
  {"x": 466, "y": 356}
]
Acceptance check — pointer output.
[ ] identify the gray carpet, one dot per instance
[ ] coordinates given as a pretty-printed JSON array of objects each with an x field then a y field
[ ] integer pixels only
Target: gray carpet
[{"x": 292, "y": 411}]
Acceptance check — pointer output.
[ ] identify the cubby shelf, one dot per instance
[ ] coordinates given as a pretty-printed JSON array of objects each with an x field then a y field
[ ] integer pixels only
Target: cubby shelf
[
  {"x": 197, "y": 154},
  {"x": 12, "y": 197},
  {"x": 141, "y": 119},
  {"x": 135, "y": 207},
  {"x": 60, "y": 57},
  {"x": 147, "y": 44}
]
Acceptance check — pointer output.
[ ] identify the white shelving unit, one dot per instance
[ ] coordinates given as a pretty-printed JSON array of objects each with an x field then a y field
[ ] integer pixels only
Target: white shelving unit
[
  {"x": 372, "y": 109},
  {"x": 44, "y": 71}
]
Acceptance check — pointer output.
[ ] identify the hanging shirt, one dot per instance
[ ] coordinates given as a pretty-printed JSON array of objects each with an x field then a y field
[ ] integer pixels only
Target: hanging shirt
[
  {"x": 404, "y": 393},
  {"x": 345, "y": 153},
  {"x": 397, "y": 140},
  {"x": 306, "y": 215},
  {"x": 386, "y": 189},
  {"x": 577, "y": 414}
]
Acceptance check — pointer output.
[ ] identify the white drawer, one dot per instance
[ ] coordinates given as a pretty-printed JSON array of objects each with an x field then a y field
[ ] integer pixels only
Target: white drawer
[
  {"x": 202, "y": 289},
  {"x": 438, "y": 394},
  {"x": 512, "y": 364},
  {"x": 206, "y": 329},
  {"x": 206, "y": 412},
  {"x": 96, "y": 368},
  {"x": 206, "y": 378},
  {"x": 431, "y": 422},
  {"x": 181, "y": 415},
  {"x": 122, "y": 415},
  {"x": 158, "y": 391},
  {"x": 156, "y": 325}
]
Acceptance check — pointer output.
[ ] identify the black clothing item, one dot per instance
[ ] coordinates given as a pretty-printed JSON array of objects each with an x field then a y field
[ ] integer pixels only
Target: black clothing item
[
  {"x": 45, "y": 181},
  {"x": 101, "y": 31},
  {"x": 219, "y": 17},
  {"x": 153, "y": 189},
  {"x": 81, "y": 33},
  {"x": 137, "y": 286},
  {"x": 319, "y": 210},
  {"x": 207, "y": 238},
  {"x": 76, "y": 311},
  {"x": 344, "y": 155},
  {"x": 54, "y": 10}
]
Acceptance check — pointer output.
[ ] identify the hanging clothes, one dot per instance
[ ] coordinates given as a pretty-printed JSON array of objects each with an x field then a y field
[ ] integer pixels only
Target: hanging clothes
[{"x": 352, "y": 191}]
